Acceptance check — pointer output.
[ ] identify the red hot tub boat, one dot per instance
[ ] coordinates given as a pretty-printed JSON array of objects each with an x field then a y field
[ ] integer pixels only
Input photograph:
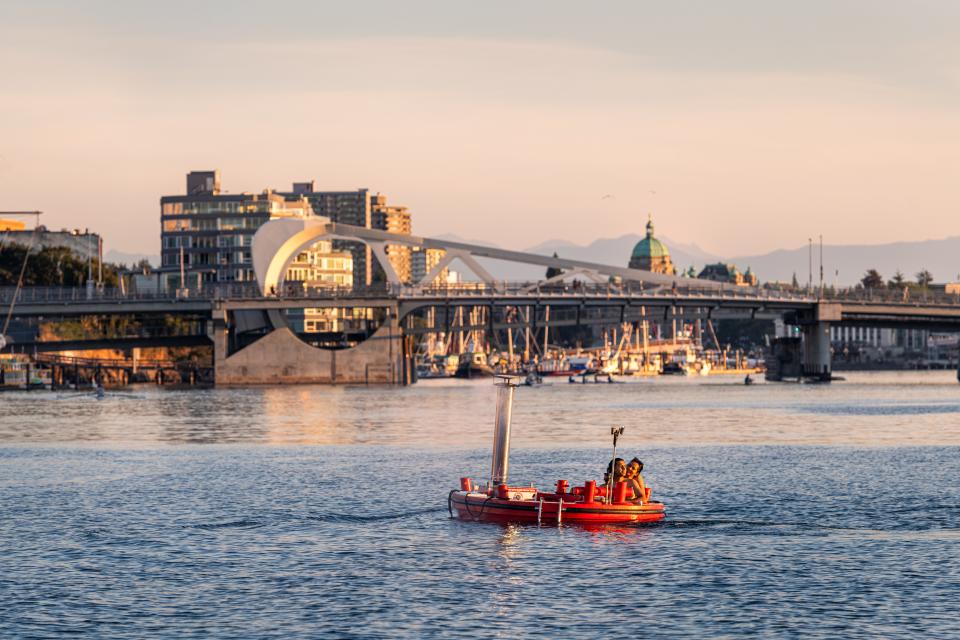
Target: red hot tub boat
[{"x": 589, "y": 504}]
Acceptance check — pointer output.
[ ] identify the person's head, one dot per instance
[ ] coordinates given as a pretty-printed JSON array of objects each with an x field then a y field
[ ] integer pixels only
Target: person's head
[
  {"x": 618, "y": 466},
  {"x": 634, "y": 468}
]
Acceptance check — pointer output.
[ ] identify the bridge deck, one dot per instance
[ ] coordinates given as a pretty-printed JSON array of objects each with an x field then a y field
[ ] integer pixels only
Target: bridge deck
[{"x": 53, "y": 303}]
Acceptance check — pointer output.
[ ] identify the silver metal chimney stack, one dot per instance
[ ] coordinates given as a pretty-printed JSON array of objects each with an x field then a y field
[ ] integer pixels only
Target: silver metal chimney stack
[{"x": 501, "y": 429}]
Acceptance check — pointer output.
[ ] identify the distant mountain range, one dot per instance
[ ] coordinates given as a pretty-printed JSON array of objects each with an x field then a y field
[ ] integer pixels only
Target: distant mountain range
[
  {"x": 847, "y": 264},
  {"x": 843, "y": 264}
]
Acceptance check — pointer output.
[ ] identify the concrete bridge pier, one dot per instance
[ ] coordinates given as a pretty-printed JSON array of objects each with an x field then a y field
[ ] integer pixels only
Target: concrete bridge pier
[
  {"x": 280, "y": 357},
  {"x": 816, "y": 352},
  {"x": 816, "y": 340}
]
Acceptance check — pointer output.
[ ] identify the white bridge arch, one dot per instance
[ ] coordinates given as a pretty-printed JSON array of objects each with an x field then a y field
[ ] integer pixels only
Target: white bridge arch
[{"x": 277, "y": 243}]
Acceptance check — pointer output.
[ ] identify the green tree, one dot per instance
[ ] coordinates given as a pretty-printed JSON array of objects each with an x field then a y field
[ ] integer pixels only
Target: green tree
[
  {"x": 872, "y": 280},
  {"x": 50, "y": 267},
  {"x": 924, "y": 278},
  {"x": 794, "y": 283},
  {"x": 897, "y": 281}
]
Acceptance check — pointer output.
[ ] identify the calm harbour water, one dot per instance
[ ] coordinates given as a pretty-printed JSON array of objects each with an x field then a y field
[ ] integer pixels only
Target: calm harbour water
[{"x": 822, "y": 511}]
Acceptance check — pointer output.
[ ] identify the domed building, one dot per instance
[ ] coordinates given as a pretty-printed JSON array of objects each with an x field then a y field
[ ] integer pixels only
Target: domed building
[{"x": 652, "y": 255}]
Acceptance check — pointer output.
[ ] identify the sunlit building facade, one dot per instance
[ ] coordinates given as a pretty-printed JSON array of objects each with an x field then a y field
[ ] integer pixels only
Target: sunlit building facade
[
  {"x": 321, "y": 267},
  {"x": 422, "y": 261},
  {"x": 346, "y": 207},
  {"x": 395, "y": 219},
  {"x": 211, "y": 232}
]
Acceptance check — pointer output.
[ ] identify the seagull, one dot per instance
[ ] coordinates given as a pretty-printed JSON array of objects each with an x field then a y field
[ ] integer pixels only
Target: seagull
[{"x": 608, "y": 196}]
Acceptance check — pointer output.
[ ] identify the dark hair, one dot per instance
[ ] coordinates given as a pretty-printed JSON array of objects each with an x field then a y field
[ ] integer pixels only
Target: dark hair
[
  {"x": 613, "y": 463},
  {"x": 639, "y": 462}
]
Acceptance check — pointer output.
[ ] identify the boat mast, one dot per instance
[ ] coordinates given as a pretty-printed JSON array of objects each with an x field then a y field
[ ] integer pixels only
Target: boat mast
[{"x": 501, "y": 429}]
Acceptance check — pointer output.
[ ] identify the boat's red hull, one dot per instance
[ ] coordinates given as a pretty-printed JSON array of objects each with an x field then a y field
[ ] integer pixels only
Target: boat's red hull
[{"x": 483, "y": 508}]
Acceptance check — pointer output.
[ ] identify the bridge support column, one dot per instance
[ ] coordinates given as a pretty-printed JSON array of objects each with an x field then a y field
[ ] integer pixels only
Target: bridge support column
[
  {"x": 816, "y": 351},
  {"x": 217, "y": 330},
  {"x": 816, "y": 340},
  {"x": 280, "y": 357}
]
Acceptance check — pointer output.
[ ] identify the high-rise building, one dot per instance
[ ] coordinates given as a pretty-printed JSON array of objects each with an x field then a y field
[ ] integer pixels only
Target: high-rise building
[
  {"x": 214, "y": 230},
  {"x": 212, "y": 233},
  {"x": 395, "y": 219},
  {"x": 346, "y": 207},
  {"x": 422, "y": 261}
]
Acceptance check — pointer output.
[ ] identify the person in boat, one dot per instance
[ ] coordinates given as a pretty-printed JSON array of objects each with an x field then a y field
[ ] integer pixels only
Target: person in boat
[
  {"x": 618, "y": 467},
  {"x": 635, "y": 481}
]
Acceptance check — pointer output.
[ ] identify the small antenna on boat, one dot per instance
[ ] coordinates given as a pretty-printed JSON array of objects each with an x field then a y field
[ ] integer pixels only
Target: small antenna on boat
[{"x": 616, "y": 432}]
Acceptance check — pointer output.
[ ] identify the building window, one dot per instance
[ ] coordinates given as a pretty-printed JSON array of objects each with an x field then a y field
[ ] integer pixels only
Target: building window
[{"x": 182, "y": 224}]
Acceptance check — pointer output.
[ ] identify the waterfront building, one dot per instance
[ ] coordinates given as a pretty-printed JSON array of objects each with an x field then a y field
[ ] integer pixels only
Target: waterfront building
[
  {"x": 395, "y": 219},
  {"x": 328, "y": 320},
  {"x": 212, "y": 232},
  {"x": 347, "y": 207},
  {"x": 651, "y": 255},
  {"x": 423, "y": 260},
  {"x": 83, "y": 243},
  {"x": 722, "y": 272},
  {"x": 321, "y": 267},
  {"x": 876, "y": 343}
]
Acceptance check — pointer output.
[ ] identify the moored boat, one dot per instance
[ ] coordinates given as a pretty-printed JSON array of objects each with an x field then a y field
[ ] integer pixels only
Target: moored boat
[
  {"x": 474, "y": 365},
  {"x": 14, "y": 371}
]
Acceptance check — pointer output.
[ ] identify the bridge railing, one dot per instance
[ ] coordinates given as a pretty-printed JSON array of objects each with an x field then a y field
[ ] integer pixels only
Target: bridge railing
[
  {"x": 141, "y": 363},
  {"x": 534, "y": 289},
  {"x": 907, "y": 296},
  {"x": 296, "y": 291},
  {"x": 28, "y": 295}
]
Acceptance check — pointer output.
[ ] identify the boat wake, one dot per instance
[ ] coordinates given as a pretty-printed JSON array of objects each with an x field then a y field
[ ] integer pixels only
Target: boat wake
[
  {"x": 350, "y": 517},
  {"x": 250, "y": 523},
  {"x": 756, "y": 524},
  {"x": 233, "y": 524}
]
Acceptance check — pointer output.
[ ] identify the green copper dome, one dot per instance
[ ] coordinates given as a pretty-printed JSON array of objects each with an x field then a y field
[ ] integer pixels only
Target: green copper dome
[{"x": 650, "y": 247}]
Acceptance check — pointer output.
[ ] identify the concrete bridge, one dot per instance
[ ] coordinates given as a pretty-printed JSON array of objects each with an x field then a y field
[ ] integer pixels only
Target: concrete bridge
[
  {"x": 223, "y": 318},
  {"x": 252, "y": 342}
]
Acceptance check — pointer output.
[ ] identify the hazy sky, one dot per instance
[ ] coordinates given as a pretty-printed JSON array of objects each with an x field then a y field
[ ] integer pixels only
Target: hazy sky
[{"x": 743, "y": 126}]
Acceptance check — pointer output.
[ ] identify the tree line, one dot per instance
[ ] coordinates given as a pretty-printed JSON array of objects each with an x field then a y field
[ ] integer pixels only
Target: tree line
[
  {"x": 52, "y": 267},
  {"x": 873, "y": 280}
]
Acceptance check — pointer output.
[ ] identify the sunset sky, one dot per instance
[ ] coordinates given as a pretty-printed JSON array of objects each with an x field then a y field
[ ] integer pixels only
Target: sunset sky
[{"x": 742, "y": 126}]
